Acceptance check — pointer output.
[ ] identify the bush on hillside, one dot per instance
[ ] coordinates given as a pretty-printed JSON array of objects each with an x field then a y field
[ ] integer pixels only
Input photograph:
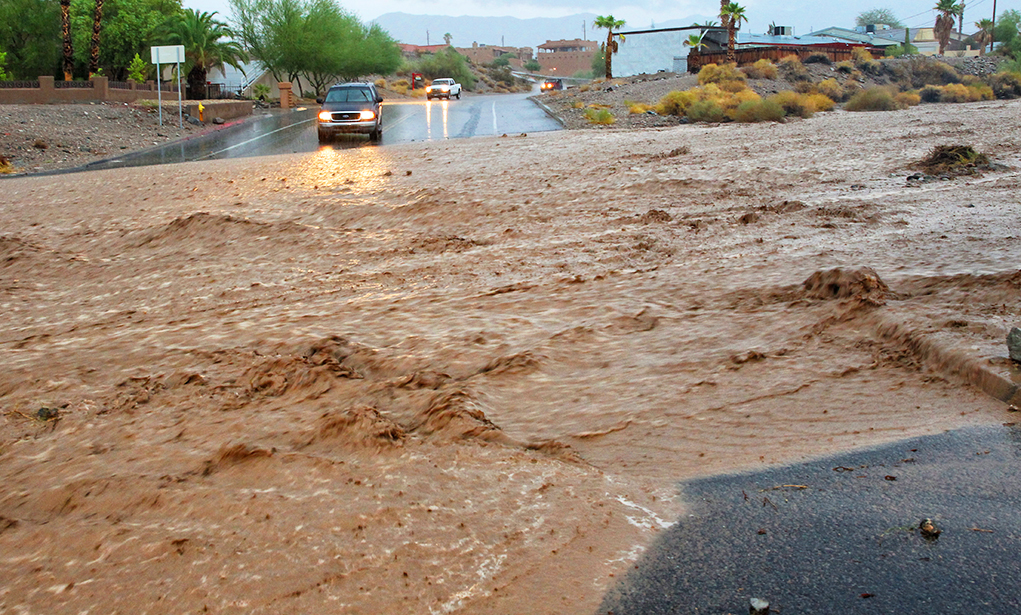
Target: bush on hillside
[
  {"x": 759, "y": 111},
  {"x": 926, "y": 71},
  {"x": 832, "y": 89},
  {"x": 845, "y": 67},
  {"x": 706, "y": 111},
  {"x": 599, "y": 116},
  {"x": 792, "y": 69},
  {"x": 793, "y": 104},
  {"x": 818, "y": 58},
  {"x": 821, "y": 102},
  {"x": 676, "y": 103},
  {"x": 761, "y": 69},
  {"x": 908, "y": 99},
  {"x": 716, "y": 73},
  {"x": 1006, "y": 84},
  {"x": 930, "y": 93},
  {"x": 872, "y": 99}
]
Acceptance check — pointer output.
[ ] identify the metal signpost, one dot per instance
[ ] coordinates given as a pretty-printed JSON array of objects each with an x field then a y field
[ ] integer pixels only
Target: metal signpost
[{"x": 168, "y": 54}]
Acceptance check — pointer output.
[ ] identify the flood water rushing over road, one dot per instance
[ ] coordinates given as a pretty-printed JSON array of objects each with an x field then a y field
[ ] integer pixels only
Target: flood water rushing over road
[{"x": 465, "y": 376}]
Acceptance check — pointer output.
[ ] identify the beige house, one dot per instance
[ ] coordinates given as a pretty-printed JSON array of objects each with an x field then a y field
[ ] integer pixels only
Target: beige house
[{"x": 566, "y": 57}]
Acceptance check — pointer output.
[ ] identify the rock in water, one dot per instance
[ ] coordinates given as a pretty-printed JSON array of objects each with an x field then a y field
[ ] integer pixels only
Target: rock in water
[{"x": 1014, "y": 344}]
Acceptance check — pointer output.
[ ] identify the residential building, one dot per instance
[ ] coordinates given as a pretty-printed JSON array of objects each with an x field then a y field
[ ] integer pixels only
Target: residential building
[{"x": 566, "y": 57}]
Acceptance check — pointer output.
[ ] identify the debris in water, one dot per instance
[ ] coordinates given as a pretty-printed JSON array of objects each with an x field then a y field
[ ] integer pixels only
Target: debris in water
[
  {"x": 1014, "y": 344},
  {"x": 929, "y": 530},
  {"x": 758, "y": 606},
  {"x": 954, "y": 160}
]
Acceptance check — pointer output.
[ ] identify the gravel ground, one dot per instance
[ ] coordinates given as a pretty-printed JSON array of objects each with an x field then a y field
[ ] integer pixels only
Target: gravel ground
[
  {"x": 47, "y": 137},
  {"x": 569, "y": 105}
]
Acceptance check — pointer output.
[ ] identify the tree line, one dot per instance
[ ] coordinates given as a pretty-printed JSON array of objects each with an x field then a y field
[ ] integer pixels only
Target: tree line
[{"x": 312, "y": 41}]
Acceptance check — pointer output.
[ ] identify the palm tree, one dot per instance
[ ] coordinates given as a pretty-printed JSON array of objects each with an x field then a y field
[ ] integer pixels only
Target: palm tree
[
  {"x": 695, "y": 42},
  {"x": 96, "y": 25},
  {"x": 203, "y": 48},
  {"x": 610, "y": 24},
  {"x": 65, "y": 30},
  {"x": 724, "y": 21},
  {"x": 447, "y": 38},
  {"x": 948, "y": 9},
  {"x": 732, "y": 15},
  {"x": 984, "y": 34}
]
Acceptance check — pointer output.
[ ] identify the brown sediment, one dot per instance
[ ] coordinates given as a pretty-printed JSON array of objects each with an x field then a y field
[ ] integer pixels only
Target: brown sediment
[{"x": 474, "y": 388}]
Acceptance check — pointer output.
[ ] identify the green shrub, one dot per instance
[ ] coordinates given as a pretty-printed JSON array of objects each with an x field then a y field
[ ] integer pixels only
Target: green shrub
[
  {"x": 860, "y": 56},
  {"x": 676, "y": 103},
  {"x": 805, "y": 87},
  {"x": 761, "y": 69},
  {"x": 792, "y": 69},
  {"x": 706, "y": 111},
  {"x": 926, "y": 71},
  {"x": 872, "y": 99},
  {"x": 759, "y": 111},
  {"x": 930, "y": 93},
  {"x": 793, "y": 103},
  {"x": 818, "y": 58},
  {"x": 599, "y": 116},
  {"x": 980, "y": 91},
  {"x": 445, "y": 63},
  {"x": 908, "y": 99},
  {"x": 715, "y": 73},
  {"x": 831, "y": 88},
  {"x": 1006, "y": 84},
  {"x": 845, "y": 67},
  {"x": 138, "y": 70},
  {"x": 821, "y": 102}
]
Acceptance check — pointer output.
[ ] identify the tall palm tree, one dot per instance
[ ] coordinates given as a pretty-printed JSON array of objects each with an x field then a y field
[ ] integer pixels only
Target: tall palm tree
[
  {"x": 65, "y": 30},
  {"x": 96, "y": 25},
  {"x": 447, "y": 38},
  {"x": 984, "y": 34},
  {"x": 732, "y": 14},
  {"x": 204, "y": 47},
  {"x": 724, "y": 20},
  {"x": 610, "y": 24},
  {"x": 948, "y": 9}
]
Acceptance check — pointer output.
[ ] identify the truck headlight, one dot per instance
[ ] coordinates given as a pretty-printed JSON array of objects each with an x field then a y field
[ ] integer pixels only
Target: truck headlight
[{"x": 367, "y": 114}]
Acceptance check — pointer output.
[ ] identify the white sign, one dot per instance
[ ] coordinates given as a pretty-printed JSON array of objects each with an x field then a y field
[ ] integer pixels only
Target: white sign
[{"x": 168, "y": 54}]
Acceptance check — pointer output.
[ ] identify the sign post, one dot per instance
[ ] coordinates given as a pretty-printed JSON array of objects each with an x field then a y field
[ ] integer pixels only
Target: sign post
[{"x": 167, "y": 54}]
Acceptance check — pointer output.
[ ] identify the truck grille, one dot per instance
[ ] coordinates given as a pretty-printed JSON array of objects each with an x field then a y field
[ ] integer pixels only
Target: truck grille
[{"x": 345, "y": 116}]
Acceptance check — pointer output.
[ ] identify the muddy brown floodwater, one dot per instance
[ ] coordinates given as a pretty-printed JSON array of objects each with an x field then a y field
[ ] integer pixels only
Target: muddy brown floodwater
[{"x": 466, "y": 377}]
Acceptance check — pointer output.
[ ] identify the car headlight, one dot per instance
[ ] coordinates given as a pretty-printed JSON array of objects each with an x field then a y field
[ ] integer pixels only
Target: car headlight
[
  {"x": 445, "y": 88},
  {"x": 367, "y": 114},
  {"x": 325, "y": 116}
]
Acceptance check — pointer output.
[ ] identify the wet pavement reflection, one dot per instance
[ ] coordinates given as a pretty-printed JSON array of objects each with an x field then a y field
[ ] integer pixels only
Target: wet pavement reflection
[{"x": 405, "y": 121}]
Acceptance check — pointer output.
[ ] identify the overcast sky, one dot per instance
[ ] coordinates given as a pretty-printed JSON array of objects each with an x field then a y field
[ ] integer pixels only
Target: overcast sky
[{"x": 801, "y": 14}]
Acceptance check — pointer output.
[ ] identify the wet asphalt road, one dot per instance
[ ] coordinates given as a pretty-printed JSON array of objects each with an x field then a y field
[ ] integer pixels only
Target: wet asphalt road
[
  {"x": 286, "y": 132},
  {"x": 840, "y": 535}
]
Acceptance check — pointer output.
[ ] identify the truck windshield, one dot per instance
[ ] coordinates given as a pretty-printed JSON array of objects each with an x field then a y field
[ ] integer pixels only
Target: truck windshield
[{"x": 349, "y": 95}]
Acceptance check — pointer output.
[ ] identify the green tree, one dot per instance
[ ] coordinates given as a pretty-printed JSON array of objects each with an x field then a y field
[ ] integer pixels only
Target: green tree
[
  {"x": 876, "y": 16},
  {"x": 447, "y": 38},
  {"x": 445, "y": 63},
  {"x": 315, "y": 40},
  {"x": 30, "y": 34},
  {"x": 598, "y": 65},
  {"x": 532, "y": 66},
  {"x": 138, "y": 70},
  {"x": 610, "y": 47},
  {"x": 3, "y": 67},
  {"x": 947, "y": 9},
  {"x": 207, "y": 44},
  {"x": 732, "y": 14},
  {"x": 129, "y": 28}
]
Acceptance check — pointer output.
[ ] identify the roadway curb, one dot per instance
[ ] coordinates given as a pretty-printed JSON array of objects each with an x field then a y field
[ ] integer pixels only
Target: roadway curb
[
  {"x": 548, "y": 111},
  {"x": 950, "y": 362}
]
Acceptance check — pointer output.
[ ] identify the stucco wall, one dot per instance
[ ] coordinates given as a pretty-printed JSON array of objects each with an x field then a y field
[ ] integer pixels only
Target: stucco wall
[{"x": 649, "y": 52}]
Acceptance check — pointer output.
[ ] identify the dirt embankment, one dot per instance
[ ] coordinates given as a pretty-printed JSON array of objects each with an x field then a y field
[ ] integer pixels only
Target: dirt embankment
[{"x": 466, "y": 377}]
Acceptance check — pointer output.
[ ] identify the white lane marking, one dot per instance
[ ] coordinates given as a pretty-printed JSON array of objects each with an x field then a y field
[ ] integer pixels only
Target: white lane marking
[
  {"x": 495, "y": 130},
  {"x": 227, "y": 149}
]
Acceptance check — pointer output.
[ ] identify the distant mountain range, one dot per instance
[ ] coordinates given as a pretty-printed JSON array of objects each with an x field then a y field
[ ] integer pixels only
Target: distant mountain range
[{"x": 503, "y": 31}]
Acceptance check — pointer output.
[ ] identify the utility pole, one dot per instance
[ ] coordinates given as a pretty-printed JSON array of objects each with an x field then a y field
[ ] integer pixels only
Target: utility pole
[
  {"x": 584, "y": 31},
  {"x": 992, "y": 35},
  {"x": 426, "y": 38}
]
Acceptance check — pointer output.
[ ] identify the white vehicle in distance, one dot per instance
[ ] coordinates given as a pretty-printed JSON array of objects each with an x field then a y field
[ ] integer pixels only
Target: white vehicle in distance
[{"x": 443, "y": 88}]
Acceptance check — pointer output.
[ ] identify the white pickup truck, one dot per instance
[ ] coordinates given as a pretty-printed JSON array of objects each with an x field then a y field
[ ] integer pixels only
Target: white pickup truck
[{"x": 443, "y": 88}]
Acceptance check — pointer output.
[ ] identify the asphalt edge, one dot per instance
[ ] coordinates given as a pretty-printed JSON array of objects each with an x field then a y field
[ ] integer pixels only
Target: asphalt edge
[{"x": 548, "y": 111}]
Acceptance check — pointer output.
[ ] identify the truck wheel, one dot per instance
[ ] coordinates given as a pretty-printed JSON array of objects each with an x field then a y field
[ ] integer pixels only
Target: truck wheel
[
  {"x": 376, "y": 134},
  {"x": 459, "y": 96},
  {"x": 324, "y": 137}
]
